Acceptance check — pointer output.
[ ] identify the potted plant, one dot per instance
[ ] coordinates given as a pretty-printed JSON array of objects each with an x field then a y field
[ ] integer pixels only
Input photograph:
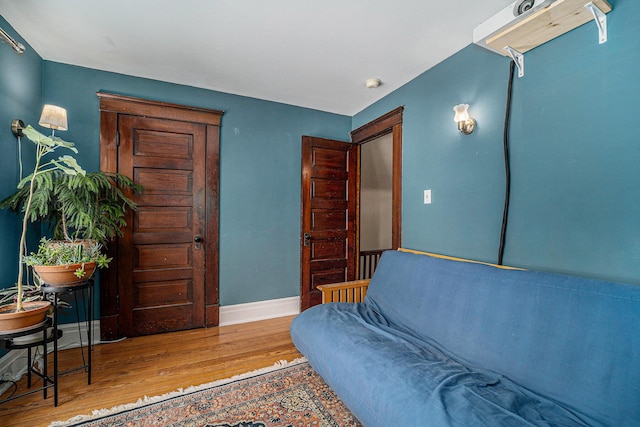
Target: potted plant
[
  {"x": 13, "y": 315},
  {"x": 64, "y": 263},
  {"x": 87, "y": 206},
  {"x": 83, "y": 209}
]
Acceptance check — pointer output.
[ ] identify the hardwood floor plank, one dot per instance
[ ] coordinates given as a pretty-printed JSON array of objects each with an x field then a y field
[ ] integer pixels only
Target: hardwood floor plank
[{"x": 152, "y": 365}]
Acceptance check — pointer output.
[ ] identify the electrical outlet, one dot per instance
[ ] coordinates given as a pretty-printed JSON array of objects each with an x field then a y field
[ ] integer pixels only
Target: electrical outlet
[{"x": 427, "y": 197}]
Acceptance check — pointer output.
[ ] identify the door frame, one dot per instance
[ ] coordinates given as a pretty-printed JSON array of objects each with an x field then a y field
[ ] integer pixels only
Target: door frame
[
  {"x": 383, "y": 125},
  {"x": 111, "y": 107}
]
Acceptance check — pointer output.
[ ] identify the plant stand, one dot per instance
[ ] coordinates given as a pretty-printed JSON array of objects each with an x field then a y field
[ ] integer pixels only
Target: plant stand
[
  {"x": 47, "y": 381},
  {"x": 52, "y": 293}
]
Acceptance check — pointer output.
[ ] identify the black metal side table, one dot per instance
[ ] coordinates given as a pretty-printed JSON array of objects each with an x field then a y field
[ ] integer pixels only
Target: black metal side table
[
  {"x": 47, "y": 381},
  {"x": 53, "y": 293}
]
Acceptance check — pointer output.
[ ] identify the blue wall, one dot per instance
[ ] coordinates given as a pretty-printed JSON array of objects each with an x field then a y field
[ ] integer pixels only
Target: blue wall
[
  {"x": 20, "y": 95},
  {"x": 575, "y": 194},
  {"x": 575, "y": 154},
  {"x": 259, "y": 170}
]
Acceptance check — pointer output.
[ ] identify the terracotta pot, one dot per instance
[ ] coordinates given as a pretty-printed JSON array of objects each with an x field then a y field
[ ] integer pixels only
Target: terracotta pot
[
  {"x": 64, "y": 275},
  {"x": 34, "y": 313}
]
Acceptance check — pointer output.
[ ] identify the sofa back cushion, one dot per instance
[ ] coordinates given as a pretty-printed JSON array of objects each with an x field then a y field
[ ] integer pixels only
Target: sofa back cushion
[{"x": 572, "y": 339}]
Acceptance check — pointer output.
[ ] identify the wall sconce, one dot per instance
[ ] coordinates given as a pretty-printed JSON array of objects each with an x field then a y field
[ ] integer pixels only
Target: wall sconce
[
  {"x": 53, "y": 117},
  {"x": 466, "y": 124},
  {"x": 16, "y": 127}
]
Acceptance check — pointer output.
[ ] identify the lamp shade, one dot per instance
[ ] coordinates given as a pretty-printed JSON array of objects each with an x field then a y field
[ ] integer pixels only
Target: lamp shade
[
  {"x": 53, "y": 117},
  {"x": 462, "y": 113}
]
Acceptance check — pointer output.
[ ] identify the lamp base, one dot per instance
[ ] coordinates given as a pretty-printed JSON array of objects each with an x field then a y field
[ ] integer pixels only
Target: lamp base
[
  {"x": 467, "y": 126},
  {"x": 16, "y": 127}
]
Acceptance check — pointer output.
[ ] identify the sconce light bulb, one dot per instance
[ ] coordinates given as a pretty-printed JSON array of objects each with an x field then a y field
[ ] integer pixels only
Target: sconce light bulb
[{"x": 462, "y": 113}]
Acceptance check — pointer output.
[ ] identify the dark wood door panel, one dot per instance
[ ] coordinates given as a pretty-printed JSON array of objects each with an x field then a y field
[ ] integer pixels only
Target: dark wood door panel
[
  {"x": 328, "y": 249},
  {"x": 163, "y": 256},
  {"x": 325, "y": 271},
  {"x": 169, "y": 224},
  {"x": 168, "y": 180},
  {"x": 145, "y": 321},
  {"x": 329, "y": 158},
  {"x": 328, "y": 189},
  {"x": 159, "y": 275},
  {"x": 164, "y": 277},
  {"x": 328, "y": 275},
  {"x": 173, "y": 219},
  {"x": 325, "y": 219},
  {"x": 172, "y": 146},
  {"x": 151, "y": 294}
]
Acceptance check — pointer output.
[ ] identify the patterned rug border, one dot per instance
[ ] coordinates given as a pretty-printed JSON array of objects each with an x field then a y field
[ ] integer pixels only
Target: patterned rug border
[{"x": 146, "y": 400}]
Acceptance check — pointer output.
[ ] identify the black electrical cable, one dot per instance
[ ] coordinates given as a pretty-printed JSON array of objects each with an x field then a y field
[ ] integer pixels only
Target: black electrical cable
[
  {"x": 507, "y": 166},
  {"x": 12, "y": 384}
]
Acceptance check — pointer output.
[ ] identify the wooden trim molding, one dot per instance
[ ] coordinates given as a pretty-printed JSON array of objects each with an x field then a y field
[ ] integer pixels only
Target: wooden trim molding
[
  {"x": 143, "y": 107},
  {"x": 383, "y": 125},
  {"x": 378, "y": 127},
  {"x": 396, "y": 192}
]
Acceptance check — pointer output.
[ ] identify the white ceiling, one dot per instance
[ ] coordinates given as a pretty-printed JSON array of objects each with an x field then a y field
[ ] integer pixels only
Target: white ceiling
[{"x": 310, "y": 53}]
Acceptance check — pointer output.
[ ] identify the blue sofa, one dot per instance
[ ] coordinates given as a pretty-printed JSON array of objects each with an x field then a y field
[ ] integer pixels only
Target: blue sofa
[{"x": 438, "y": 342}]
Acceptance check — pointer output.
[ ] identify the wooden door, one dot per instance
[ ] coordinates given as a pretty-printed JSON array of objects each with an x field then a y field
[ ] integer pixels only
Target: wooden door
[
  {"x": 329, "y": 203},
  {"x": 161, "y": 264},
  {"x": 161, "y": 278}
]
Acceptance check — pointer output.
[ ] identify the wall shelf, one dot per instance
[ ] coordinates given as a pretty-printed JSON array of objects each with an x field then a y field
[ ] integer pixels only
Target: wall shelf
[{"x": 546, "y": 24}]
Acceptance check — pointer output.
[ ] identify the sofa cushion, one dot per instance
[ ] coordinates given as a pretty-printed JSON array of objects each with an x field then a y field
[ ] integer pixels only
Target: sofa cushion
[
  {"x": 388, "y": 378},
  {"x": 573, "y": 340}
]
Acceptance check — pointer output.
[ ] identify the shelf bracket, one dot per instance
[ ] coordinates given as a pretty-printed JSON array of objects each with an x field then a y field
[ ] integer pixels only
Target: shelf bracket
[
  {"x": 518, "y": 58},
  {"x": 601, "y": 21}
]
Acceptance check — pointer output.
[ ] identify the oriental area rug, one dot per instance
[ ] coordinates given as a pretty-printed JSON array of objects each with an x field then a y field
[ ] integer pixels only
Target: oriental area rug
[{"x": 289, "y": 394}]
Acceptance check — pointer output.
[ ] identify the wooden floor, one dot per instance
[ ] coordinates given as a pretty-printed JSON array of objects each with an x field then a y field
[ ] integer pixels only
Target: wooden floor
[{"x": 153, "y": 365}]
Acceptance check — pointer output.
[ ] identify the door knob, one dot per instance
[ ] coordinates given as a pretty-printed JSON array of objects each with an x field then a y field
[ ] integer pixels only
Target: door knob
[
  {"x": 307, "y": 239},
  {"x": 197, "y": 239}
]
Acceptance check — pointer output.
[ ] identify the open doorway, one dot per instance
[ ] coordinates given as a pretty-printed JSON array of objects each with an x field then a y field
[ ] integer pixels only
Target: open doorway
[
  {"x": 380, "y": 188},
  {"x": 376, "y": 202}
]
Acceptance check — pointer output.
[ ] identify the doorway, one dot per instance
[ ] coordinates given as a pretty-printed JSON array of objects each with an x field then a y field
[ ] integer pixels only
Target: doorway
[
  {"x": 340, "y": 262},
  {"x": 164, "y": 273},
  {"x": 376, "y": 202},
  {"x": 390, "y": 123}
]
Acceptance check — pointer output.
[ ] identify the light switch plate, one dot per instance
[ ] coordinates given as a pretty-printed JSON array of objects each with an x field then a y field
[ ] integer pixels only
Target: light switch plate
[{"x": 427, "y": 197}]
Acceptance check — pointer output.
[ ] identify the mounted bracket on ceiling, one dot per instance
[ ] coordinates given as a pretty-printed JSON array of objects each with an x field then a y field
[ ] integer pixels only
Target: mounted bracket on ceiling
[
  {"x": 601, "y": 21},
  {"x": 518, "y": 58}
]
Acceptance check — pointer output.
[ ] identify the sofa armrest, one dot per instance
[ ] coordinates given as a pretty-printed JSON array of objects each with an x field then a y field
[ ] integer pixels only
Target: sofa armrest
[{"x": 345, "y": 291}]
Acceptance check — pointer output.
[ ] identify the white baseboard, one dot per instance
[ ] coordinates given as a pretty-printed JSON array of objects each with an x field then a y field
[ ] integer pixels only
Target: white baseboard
[{"x": 261, "y": 310}]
